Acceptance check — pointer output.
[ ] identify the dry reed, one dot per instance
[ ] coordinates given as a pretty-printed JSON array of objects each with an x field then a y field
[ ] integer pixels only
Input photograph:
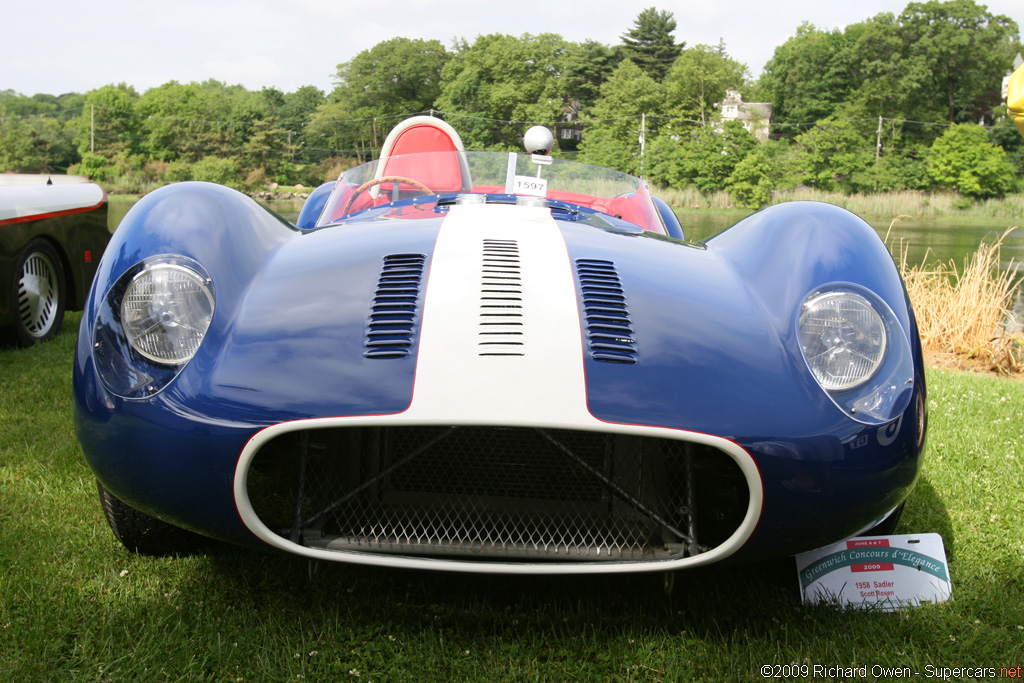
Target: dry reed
[{"x": 964, "y": 311}]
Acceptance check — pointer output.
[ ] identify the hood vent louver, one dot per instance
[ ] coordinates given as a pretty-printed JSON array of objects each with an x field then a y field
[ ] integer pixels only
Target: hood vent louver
[
  {"x": 395, "y": 304},
  {"x": 501, "y": 300},
  {"x": 610, "y": 335}
]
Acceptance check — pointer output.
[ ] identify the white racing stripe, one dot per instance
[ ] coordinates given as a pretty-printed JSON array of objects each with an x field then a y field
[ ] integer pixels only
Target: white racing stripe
[{"x": 500, "y": 283}]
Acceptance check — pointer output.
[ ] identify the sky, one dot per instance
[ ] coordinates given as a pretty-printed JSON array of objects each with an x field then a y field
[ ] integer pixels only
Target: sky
[{"x": 61, "y": 46}]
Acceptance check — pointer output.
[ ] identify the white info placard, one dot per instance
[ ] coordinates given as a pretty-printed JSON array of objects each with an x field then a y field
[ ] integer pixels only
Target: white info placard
[
  {"x": 881, "y": 572},
  {"x": 536, "y": 187}
]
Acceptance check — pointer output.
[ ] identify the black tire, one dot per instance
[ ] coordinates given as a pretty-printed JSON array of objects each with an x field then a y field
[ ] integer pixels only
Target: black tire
[
  {"x": 146, "y": 535},
  {"x": 40, "y": 294}
]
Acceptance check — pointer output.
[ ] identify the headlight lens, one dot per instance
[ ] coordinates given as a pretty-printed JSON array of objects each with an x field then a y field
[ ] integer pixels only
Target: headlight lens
[
  {"x": 843, "y": 339},
  {"x": 166, "y": 311}
]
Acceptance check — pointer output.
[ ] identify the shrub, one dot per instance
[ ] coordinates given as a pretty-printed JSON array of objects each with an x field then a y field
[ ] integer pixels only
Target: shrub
[
  {"x": 177, "y": 171},
  {"x": 892, "y": 173},
  {"x": 831, "y": 153},
  {"x": 256, "y": 179},
  {"x": 329, "y": 169},
  {"x": 750, "y": 184},
  {"x": 93, "y": 166},
  {"x": 965, "y": 160},
  {"x": 217, "y": 170}
]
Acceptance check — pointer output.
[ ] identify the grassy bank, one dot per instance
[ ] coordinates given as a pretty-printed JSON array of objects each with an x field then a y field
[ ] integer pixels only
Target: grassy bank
[
  {"x": 889, "y": 205},
  {"x": 74, "y": 606}
]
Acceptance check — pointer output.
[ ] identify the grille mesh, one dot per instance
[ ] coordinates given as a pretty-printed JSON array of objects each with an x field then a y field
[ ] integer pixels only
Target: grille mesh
[
  {"x": 609, "y": 328},
  {"x": 489, "y": 492}
]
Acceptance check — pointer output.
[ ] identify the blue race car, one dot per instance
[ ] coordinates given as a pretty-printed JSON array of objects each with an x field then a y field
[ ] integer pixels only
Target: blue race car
[{"x": 495, "y": 362}]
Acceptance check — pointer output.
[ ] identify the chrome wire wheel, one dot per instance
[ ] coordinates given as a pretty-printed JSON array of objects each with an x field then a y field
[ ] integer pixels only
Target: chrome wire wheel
[{"x": 39, "y": 293}]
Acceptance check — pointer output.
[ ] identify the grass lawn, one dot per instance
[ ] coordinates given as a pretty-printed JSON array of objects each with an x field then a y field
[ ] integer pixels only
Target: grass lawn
[{"x": 75, "y": 606}]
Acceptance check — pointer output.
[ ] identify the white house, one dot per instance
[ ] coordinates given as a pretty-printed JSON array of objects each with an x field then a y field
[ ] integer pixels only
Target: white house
[
  {"x": 1006, "y": 79},
  {"x": 756, "y": 116}
]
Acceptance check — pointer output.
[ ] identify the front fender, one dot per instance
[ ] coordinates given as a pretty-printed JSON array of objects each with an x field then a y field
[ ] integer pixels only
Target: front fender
[
  {"x": 786, "y": 251},
  {"x": 224, "y": 230}
]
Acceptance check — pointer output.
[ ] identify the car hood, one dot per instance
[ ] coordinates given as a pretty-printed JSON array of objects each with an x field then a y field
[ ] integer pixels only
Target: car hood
[{"x": 505, "y": 316}]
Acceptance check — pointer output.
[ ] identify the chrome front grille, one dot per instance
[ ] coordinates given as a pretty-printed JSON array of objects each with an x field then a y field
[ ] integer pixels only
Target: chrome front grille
[{"x": 497, "y": 493}]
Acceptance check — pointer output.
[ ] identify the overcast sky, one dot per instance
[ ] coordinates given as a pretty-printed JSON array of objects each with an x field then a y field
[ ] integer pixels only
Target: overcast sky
[{"x": 60, "y": 46}]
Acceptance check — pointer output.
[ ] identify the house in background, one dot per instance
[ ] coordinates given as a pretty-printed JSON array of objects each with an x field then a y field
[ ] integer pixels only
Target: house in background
[
  {"x": 1006, "y": 79},
  {"x": 568, "y": 130},
  {"x": 755, "y": 116}
]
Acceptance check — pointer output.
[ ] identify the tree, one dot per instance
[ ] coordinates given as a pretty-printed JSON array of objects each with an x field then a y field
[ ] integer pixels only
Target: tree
[
  {"x": 963, "y": 52},
  {"x": 612, "y": 136},
  {"x": 965, "y": 160},
  {"x": 650, "y": 44},
  {"x": 809, "y": 76},
  {"x": 587, "y": 66},
  {"x": 395, "y": 77},
  {"x": 268, "y": 148},
  {"x": 34, "y": 136},
  {"x": 886, "y": 80},
  {"x": 892, "y": 172},
  {"x": 831, "y": 153},
  {"x": 710, "y": 155},
  {"x": 108, "y": 124},
  {"x": 35, "y": 144},
  {"x": 13, "y": 104},
  {"x": 664, "y": 163},
  {"x": 217, "y": 170},
  {"x": 335, "y": 129},
  {"x": 504, "y": 83},
  {"x": 698, "y": 80},
  {"x": 937, "y": 61},
  {"x": 295, "y": 115},
  {"x": 186, "y": 121}
]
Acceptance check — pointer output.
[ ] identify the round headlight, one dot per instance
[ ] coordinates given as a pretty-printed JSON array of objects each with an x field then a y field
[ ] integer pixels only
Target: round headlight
[
  {"x": 166, "y": 311},
  {"x": 843, "y": 339}
]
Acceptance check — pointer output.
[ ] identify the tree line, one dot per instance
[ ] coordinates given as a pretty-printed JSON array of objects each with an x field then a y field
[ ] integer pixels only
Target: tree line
[{"x": 908, "y": 101}]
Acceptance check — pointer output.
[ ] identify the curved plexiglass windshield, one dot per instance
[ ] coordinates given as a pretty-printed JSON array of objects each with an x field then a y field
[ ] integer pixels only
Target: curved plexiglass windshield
[{"x": 477, "y": 177}]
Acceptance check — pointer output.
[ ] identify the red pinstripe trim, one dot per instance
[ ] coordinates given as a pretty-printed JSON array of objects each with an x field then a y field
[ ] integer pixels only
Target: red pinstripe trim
[{"x": 54, "y": 214}]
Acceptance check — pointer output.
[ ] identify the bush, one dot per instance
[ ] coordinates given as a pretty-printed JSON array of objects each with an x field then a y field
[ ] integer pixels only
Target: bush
[
  {"x": 329, "y": 169},
  {"x": 93, "y": 166},
  {"x": 750, "y": 184},
  {"x": 664, "y": 162},
  {"x": 892, "y": 173},
  {"x": 177, "y": 171},
  {"x": 831, "y": 154},
  {"x": 965, "y": 160},
  {"x": 709, "y": 156},
  {"x": 256, "y": 179},
  {"x": 217, "y": 170}
]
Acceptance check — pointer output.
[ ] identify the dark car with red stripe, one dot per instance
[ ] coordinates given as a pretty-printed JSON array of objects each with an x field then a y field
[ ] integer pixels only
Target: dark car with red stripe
[{"x": 53, "y": 230}]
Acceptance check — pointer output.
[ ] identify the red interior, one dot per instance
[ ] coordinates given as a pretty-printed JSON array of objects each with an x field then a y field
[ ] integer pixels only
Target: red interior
[{"x": 440, "y": 171}]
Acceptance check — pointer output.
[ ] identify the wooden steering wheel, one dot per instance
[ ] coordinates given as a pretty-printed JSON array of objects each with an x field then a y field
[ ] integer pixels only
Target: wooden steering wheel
[{"x": 380, "y": 181}]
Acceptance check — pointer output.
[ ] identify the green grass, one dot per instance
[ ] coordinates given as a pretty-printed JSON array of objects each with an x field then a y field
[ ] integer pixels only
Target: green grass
[{"x": 74, "y": 606}]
